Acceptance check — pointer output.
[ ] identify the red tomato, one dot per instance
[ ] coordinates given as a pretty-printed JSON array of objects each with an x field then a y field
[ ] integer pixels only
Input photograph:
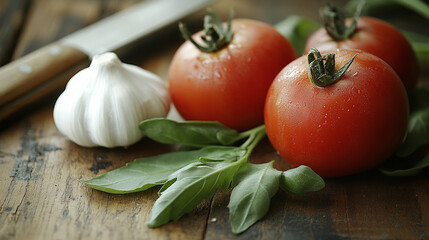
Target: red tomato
[
  {"x": 229, "y": 85},
  {"x": 378, "y": 38},
  {"x": 342, "y": 129}
]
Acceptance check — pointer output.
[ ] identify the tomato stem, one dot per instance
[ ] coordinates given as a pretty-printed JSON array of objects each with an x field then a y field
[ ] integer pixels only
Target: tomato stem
[
  {"x": 335, "y": 21},
  {"x": 323, "y": 74},
  {"x": 215, "y": 36}
]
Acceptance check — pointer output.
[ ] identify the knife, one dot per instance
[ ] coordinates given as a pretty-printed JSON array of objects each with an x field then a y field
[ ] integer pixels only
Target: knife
[{"x": 49, "y": 68}]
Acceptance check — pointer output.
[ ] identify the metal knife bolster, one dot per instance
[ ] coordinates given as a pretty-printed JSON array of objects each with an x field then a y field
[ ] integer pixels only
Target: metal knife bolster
[{"x": 130, "y": 25}]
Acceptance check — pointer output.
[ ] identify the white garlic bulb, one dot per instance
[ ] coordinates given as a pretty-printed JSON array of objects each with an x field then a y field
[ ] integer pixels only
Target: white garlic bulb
[{"x": 103, "y": 104}]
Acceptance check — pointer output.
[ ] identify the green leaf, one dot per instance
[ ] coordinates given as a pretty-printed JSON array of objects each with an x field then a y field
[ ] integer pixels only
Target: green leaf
[
  {"x": 251, "y": 196},
  {"x": 417, "y": 137},
  {"x": 297, "y": 29},
  {"x": 190, "y": 133},
  {"x": 301, "y": 180},
  {"x": 194, "y": 184},
  {"x": 420, "y": 44},
  {"x": 418, "y": 124},
  {"x": 144, "y": 173},
  {"x": 413, "y": 171},
  {"x": 415, "y": 37}
]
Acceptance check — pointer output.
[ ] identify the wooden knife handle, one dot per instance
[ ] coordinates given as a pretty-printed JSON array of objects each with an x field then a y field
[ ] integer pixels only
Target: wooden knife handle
[{"x": 36, "y": 71}]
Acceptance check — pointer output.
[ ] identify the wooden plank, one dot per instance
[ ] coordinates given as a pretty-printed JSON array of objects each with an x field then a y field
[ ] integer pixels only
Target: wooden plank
[
  {"x": 365, "y": 206},
  {"x": 50, "y": 20},
  {"x": 41, "y": 196},
  {"x": 12, "y": 15}
]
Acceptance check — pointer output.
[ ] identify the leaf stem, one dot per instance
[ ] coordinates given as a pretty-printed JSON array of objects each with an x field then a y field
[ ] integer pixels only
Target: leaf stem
[
  {"x": 249, "y": 132},
  {"x": 256, "y": 135}
]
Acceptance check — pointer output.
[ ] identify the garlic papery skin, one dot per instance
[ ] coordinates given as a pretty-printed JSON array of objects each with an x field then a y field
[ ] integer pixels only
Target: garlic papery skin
[{"x": 103, "y": 104}]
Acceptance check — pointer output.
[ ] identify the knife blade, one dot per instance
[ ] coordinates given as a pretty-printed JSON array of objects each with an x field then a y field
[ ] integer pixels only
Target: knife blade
[{"x": 49, "y": 68}]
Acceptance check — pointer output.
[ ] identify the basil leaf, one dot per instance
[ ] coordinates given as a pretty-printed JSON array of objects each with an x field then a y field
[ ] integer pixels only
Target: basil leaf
[
  {"x": 251, "y": 196},
  {"x": 413, "y": 171},
  {"x": 418, "y": 124},
  {"x": 144, "y": 173},
  {"x": 192, "y": 186},
  {"x": 301, "y": 180},
  {"x": 190, "y": 133},
  {"x": 297, "y": 29}
]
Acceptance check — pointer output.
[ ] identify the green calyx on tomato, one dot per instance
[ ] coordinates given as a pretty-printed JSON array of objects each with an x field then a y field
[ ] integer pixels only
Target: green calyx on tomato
[
  {"x": 335, "y": 21},
  {"x": 215, "y": 36},
  {"x": 321, "y": 73}
]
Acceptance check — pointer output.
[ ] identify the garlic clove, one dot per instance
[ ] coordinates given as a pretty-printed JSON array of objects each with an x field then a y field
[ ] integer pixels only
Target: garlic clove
[{"x": 103, "y": 104}]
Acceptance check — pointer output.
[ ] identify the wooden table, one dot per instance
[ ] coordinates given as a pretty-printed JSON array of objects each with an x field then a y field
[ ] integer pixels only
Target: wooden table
[{"x": 41, "y": 196}]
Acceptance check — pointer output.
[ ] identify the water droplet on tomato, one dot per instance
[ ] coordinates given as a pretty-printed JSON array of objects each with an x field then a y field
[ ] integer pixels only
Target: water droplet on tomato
[
  {"x": 217, "y": 74},
  {"x": 235, "y": 45}
]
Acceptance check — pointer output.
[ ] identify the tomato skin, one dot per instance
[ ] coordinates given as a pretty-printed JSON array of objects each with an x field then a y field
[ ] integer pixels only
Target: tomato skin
[
  {"x": 345, "y": 128},
  {"x": 378, "y": 38},
  {"x": 229, "y": 85}
]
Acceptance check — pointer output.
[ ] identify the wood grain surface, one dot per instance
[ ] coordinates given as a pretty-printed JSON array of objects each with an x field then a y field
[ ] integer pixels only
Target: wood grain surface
[{"x": 41, "y": 196}]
